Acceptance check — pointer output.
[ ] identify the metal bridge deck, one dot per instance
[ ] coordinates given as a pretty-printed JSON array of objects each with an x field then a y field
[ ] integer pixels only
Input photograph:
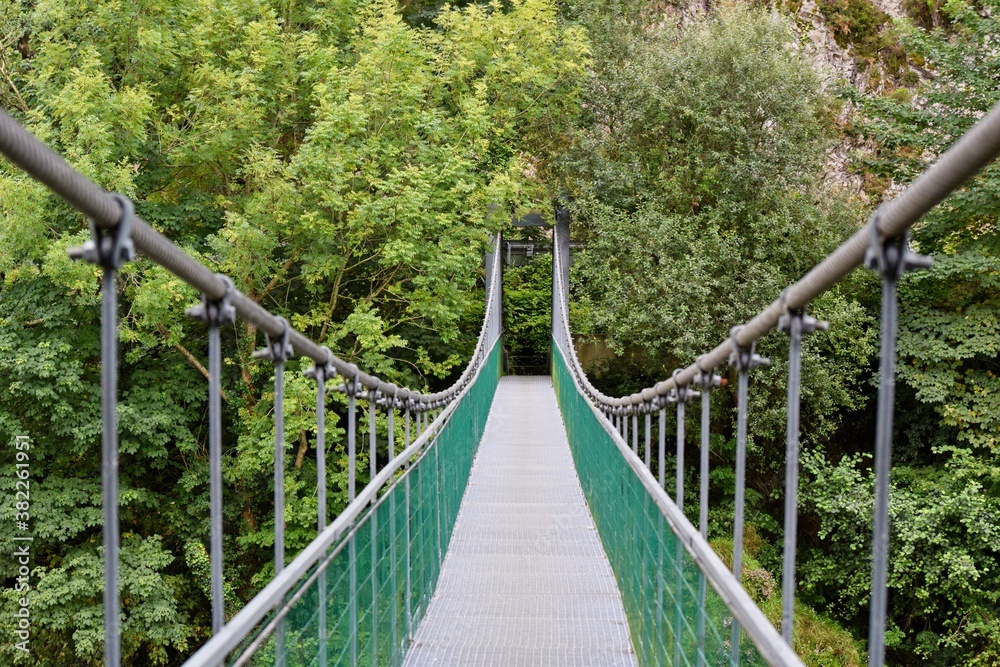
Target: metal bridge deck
[{"x": 525, "y": 580}]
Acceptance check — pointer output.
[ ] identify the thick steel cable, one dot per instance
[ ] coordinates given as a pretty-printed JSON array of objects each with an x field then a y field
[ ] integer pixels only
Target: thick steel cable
[{"x": 46, "y": 166}]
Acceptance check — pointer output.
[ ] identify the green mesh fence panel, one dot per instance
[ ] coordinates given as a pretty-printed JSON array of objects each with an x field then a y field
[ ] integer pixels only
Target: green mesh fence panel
[
  {"x": 398, "y": 545},
  {"x": 660, "y": 584}
]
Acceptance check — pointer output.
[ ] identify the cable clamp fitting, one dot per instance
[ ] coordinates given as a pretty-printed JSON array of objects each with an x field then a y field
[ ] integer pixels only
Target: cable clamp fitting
[
  {"x": 680, "y": 393},
  {"x": 110, "y": 247},
  {"x": 352, "y": 385},
  {"x": 809, "y": 324},
  {"x": 216, "y": 312},
  {"x": 892, "y": 258},
  {"x": 323, "y": 371},
  {"x": 706, "y": 379},
  {"x": 279, "y": 351},
  {"x": 743, "y": 358}
]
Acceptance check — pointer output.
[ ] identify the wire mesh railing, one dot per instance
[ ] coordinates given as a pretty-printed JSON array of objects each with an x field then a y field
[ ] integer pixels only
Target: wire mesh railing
[
  {"x": 397, "y": 526},
  {"x": 661, "y": 562},
  {"x": 606, "y": 424},
  {"x": 673, "y": 618},
  {"x": 361, "y": 600}
]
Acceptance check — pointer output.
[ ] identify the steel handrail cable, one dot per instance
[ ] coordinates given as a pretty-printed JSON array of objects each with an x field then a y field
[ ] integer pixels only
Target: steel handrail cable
[
  {"x": 967, "y": 156},
  {"x": 767, "y": 640},
  {"x": 102, "y": 207},
  {"x": 107, "y": 210}
]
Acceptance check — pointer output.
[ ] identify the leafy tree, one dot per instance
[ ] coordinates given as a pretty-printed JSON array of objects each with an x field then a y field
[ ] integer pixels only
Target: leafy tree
[
  {"x": 945, "y": 505},
  {"x": 697, "y": 196},
  {"x": 527, "y": 310},
  {"x": 339, "y": 164},
  {"x": 695, "y": 199}
]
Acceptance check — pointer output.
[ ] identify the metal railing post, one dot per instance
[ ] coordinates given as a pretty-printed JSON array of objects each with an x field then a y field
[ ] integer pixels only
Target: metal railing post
[
  {"x": 352, "y": 387},
  {"x": 662, "y": 438},
  {"x": 437, "y": 505},
  {"x": 216, "y": 313},
  {"x": 680, "y": 394},
  {"x": 635, "y": 430},
  {"x": 891, "y": 259},
  {"x": 373, "y": 397},
  {"x": 321, "y": 372},
  {"x": 391, "y": 405},
  {"x": 279, "y": 352},
  {"x": 742, "y": 359},
  {"x": 795, "y": 323},
  {"x": 110, "y": 248},
  {"x": 408, "y": 612},
  {"x": 646, "y": 451},
  {"x": 705, "y": 379}
]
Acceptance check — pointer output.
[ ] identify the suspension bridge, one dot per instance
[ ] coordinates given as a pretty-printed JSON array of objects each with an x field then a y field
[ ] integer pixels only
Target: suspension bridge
[{"x": 521, "y": 520}]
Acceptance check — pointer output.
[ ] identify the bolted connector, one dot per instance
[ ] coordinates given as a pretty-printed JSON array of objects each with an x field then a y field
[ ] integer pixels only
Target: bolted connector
[
  {"x": 892, "y": 258},
  {"x": 217, "y": 312},
  {"x": 323, "y": 371},
  {"x": 706, "y": 379},
  {"x": 680, "y": 392},
  {"x": 809, "y": 324},
  {"x": 744, "y": 358},
  {"x": 278, "y": 351},
  {"x": 109, "y": 248}
]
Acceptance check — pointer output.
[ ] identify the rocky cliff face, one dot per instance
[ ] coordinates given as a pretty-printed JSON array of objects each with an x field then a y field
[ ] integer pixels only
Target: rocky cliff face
[
  {"x": 849, "y": 43},
  {"x": 834, "y": 64},
  {"x": 839, "y": 64}
]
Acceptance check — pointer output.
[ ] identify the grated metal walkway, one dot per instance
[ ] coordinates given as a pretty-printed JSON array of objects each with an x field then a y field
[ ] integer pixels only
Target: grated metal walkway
[{"x": 525, "y": 580}]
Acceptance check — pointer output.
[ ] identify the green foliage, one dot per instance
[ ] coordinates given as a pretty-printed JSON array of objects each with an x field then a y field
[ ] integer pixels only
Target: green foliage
[
  {"x": 527, "y": 310},
  {"x": 862, "y": 25},
  {"x": 66, "y": 605},
  {"x": 820, "y": 641},
  {"x": 942, "y": 561},
  {"x": 944, "y": 503},
  {"x": 696, "y": 206},
  {"x": 695, "y": 199},
  {"x": 950, "y": 314},
  {"x": 952, "y": 347},
  {"x": 343, "y": 167}
]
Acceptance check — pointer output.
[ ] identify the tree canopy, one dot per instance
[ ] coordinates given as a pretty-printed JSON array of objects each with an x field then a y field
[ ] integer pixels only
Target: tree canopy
[{"x": 344, "y": 167}]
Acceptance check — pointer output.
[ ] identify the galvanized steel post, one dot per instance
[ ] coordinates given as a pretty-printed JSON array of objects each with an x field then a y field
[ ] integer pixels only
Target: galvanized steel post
[
  {"x": 795, "y": 323},
  {"x": 321, "y": 372},
  {"x": 706, "y": 380},
  {"x": 279, "y": 351},
  {"x": 743, "y": 359},
  {"x": 110, "y": 249},
  {"x": 216, "y": 313},
  {"x": 891, "y": 259}
]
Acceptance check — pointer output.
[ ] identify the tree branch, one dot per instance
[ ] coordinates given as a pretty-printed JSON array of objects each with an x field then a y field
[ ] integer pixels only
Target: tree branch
[{"x": 190, "y": 357}]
